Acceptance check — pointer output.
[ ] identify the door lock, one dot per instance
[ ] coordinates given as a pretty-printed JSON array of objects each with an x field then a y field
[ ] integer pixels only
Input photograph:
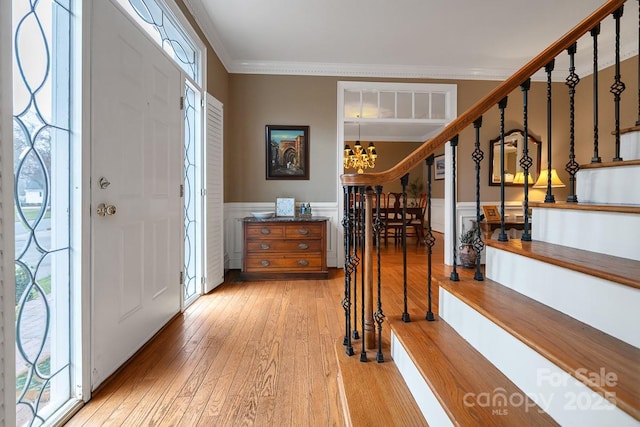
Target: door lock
[
  {"x": 104, "y": 210},
  {"x": 103, "y": 182}
]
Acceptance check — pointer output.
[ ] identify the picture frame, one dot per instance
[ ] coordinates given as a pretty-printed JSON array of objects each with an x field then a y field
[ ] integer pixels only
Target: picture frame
[
  {"x": 287, "y": 152},
  {"x": 491, "y": 213},
  {"x": 439, "y": 163},
  {"x": 285, "y": 206}
]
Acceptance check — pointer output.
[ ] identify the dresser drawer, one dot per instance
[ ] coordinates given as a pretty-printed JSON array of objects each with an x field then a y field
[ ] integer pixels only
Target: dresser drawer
[
  {"x": 267, "y": 262},
  {"x": 266, "y": 230},
  {"x": 303, "y": 231},
  {"x": 265, "y": 245}
]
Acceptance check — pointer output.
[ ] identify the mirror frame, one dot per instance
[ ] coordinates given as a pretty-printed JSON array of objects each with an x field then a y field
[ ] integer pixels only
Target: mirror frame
[{"x": 535, "y": 151}]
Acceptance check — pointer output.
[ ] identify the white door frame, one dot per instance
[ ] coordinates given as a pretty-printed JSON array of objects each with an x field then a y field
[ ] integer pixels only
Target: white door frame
[{"x": 452, "y": 113}]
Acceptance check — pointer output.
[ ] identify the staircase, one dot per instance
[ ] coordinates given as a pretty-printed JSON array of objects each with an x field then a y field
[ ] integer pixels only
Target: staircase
[
  {"x": 550, "y": 333},
  {"x": 558, "y": 317}
]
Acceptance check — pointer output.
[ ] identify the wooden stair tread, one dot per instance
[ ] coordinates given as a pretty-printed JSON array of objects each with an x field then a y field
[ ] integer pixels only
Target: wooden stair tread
[
  {"x": 634, "y": 162},
  {"x": 457, "y": 374},
  {"x": 575, "y": 347},
  {"x": 375, "y": 393},
  {"x": 634, "y": 209},
  {"x": 616, "y": 269}
]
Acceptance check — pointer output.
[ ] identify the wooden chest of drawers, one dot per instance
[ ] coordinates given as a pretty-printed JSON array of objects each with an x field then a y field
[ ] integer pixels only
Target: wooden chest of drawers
[{"x": 284, "y": 249}]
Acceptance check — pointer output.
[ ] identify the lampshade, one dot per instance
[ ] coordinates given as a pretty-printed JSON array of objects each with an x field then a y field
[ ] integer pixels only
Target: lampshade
[
  {"x": 519, "y": 178},
  {"x": 544, "y": 178}
]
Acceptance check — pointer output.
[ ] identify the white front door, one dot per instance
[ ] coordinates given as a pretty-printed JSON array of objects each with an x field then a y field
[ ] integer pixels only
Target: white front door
[{"x": 136, "y": 167}]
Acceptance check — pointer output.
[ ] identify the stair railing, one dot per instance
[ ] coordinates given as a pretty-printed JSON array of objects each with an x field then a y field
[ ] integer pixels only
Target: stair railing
[{"x": 366, "y": 218}]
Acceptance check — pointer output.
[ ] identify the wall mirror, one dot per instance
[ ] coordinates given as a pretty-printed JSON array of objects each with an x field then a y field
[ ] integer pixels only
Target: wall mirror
[{"x": 513, "y": 147}]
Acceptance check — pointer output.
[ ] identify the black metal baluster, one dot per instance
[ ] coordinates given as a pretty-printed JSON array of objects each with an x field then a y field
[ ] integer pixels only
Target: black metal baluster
[
  {"x": 502, "y": 237},
  {"x": 549, "y": 197},
  {"x": 429, "y": 240},
  {"x": 618, "y": 86},
  {"x": 572, "y": 166},
  {"x": 526, "y": 161},
  {"x": 478, "y": 156},
  {"x": 378, "y": 228},
  {"x": 346, "y": 304},
  {"x": 454, "y": 145},
  {"x": 358, "y": 242},
  {"x": 379, "y": 315},
  {"x": 404, "y": 181},
  {"x": 594, "y": 33}
]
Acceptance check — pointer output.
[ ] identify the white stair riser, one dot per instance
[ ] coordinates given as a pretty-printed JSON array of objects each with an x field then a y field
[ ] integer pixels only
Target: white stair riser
[
  {"x": 607, "y": 306},
  {"x": 630, "y": 146},
  {"x": 566, "y": 400},
  {"x": 615, "y": 185},
  {"x": 611, "y": 233},
  {"x": 424, "y": 397}
]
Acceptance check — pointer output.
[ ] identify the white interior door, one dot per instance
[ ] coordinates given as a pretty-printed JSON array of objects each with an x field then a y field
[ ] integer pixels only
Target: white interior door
[{"x": 137, "y": 148}]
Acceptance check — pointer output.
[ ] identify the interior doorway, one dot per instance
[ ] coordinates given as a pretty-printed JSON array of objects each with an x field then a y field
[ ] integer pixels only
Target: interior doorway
[{"x": 395, "y": 112}]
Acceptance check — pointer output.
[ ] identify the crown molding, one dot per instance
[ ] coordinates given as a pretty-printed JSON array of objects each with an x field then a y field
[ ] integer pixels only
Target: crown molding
[
  {"x": 583, "y": 68},
  {"x": 367, "y": 70}
]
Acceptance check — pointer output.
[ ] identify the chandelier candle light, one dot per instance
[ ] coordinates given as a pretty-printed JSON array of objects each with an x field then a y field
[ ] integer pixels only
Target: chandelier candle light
[{"x": 358, "y": 157}]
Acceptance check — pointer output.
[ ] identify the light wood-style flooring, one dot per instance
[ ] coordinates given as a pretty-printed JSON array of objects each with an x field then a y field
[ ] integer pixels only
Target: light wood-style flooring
[{"x": 249, "y": 353}]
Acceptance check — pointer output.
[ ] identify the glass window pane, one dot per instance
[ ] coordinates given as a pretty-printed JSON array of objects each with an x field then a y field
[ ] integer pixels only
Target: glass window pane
[
  {"x": 387, "y": 105},
  {"x": 438, "y": 106},
  {"x": 352, "y": 103},
  {"x": 421, "y": 107},
  {"x": 405, "y": 105},
  {"x": 370, "y": 104}
]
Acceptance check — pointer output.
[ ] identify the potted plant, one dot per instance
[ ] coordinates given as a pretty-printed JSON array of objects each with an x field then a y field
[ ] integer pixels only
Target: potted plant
[{"x": 468, "y": 253}]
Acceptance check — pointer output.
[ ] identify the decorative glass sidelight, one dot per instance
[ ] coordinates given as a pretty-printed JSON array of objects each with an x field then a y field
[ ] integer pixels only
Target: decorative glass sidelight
[
  {"x": 192, "y": 196},
  {"x": 42, "y": 60}
]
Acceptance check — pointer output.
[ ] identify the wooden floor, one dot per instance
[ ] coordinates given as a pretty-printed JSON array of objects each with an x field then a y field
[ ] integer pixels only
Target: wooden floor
[{"x": 249, "y": 353}]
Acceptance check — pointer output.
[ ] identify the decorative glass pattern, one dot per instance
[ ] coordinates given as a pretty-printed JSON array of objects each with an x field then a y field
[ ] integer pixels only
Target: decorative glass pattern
[
  {"x": 191, "y": 205},
  {"x": 156, "y": 19},
  {"x": 41, "y": 132}
]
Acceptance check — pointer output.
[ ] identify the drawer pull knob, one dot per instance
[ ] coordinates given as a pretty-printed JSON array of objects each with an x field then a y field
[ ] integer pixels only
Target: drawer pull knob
[
  {"x": 264, "y": 263},
  {"x": 265, "y": 230},
  {"x": 303, "y": 262},
  {"x": 303, "y": 246},
  {"x": 303, "y": 231},
  {"x": 265, "y": 246}
]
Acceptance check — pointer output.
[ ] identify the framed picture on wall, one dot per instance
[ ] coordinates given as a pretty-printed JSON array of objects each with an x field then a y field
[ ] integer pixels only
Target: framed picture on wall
[
  {"x": 287, "y": 152},
  {"x": 439, "y": 167}
]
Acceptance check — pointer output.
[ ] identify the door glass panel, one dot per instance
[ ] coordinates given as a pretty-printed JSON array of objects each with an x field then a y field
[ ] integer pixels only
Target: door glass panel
[
  {"x": 41, "y": 131},
  {"x": 192, "y": 205}
]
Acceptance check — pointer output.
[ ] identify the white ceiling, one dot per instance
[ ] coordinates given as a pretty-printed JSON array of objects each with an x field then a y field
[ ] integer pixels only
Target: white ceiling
[{"x": 456, "y": 39}]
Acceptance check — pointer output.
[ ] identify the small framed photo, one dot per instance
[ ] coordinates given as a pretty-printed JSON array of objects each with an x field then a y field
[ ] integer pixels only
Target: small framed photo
[
  {"x": 439, "y": 169},
  {"x": 287, "y": 152},
  {"x": 285, "y": 206},
  {"x": 491, "y": 213}
]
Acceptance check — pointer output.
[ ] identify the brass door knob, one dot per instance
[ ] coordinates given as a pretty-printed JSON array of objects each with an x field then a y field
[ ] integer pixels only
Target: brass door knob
[{"x": 104, "y": 209}]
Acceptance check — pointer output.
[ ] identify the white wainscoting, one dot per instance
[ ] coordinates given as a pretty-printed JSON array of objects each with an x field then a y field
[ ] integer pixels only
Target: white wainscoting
[
  {"x": 437, "y": 215},
  {"x": 234, "y": 212}
]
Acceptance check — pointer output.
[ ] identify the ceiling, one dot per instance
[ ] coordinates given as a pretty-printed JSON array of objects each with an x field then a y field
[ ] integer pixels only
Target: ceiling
[{"x": 454, "y": 39}]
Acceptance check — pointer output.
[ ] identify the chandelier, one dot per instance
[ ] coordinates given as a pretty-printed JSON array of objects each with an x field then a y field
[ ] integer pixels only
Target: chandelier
[{"x": 358, "y": 157}]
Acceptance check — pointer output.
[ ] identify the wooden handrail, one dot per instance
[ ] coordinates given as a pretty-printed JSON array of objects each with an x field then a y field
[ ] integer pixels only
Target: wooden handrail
[{"x": 489, "y": 101}]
